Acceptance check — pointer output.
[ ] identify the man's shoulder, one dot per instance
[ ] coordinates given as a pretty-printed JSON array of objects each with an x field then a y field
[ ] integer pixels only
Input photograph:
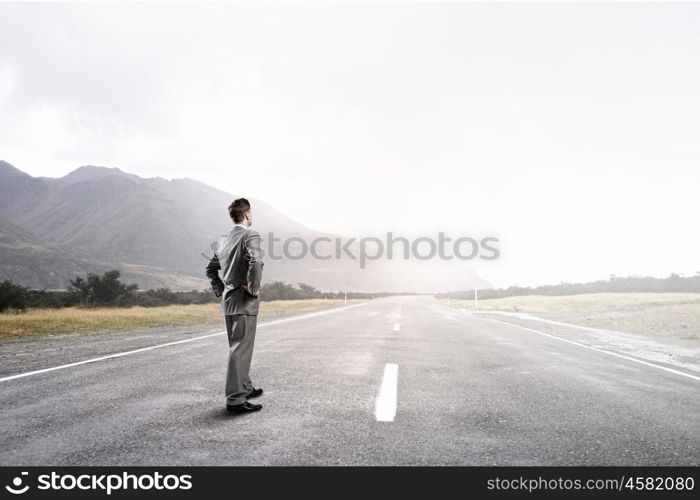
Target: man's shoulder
[{"x": 252, "y": 238}]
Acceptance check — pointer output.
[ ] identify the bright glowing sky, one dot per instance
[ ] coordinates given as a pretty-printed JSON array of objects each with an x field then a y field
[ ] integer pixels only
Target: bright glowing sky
[{"x": 569, "y": 131}]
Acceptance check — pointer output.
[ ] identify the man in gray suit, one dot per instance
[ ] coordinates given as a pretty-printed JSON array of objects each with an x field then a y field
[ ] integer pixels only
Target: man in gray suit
[{"x": 239, "y": 258}]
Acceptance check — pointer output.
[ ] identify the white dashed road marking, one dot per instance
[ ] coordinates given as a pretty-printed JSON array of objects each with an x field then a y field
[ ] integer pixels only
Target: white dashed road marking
[{"x": 385, "y": 407}]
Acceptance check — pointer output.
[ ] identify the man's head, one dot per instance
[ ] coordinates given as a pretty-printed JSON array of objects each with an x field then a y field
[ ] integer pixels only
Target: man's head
[{"x": 240, "y": 212}]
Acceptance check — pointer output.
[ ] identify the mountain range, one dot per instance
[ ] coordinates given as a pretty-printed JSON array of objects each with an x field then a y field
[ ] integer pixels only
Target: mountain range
[{"x": 158, "y": 232}]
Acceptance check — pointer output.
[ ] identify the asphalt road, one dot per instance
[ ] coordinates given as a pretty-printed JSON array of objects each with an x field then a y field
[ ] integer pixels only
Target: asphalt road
[{"x": 467, "y": 390}]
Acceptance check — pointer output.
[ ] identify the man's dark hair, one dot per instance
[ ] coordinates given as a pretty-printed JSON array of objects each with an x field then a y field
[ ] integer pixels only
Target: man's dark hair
[{"x": 237, "y": 209}]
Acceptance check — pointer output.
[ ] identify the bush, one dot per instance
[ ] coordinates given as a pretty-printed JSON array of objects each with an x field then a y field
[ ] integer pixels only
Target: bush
[
  {"x": 105, "y": 290},
  {"x": 51, "y": 300},
  {"x": 13, "y": 296}
]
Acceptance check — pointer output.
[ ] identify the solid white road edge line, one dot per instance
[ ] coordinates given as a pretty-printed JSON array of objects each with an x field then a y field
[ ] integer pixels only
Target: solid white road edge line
[
  {"x": 610, "y": 353},
  {"x": 385, "y": 406},
  {"x": 193, "y": 339}
]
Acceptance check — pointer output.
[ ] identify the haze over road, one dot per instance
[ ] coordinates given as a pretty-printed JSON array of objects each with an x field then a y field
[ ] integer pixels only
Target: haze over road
[{"x": 402, "y": 380}]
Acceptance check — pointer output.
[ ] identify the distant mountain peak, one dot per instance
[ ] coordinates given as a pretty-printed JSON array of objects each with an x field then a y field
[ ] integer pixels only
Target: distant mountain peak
[
  {"x": 90, "y": 172},
  {"x": 96, "y": 168}
]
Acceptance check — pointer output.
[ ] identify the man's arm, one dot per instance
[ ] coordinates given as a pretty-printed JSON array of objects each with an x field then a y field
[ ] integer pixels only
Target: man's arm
[
  {"x": 212, "y": 272},
  {"x": 255, "y": 265}
]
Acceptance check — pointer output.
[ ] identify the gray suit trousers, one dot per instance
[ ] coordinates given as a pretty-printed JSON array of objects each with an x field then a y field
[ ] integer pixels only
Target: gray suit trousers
[{"x": 241, "y": 337}]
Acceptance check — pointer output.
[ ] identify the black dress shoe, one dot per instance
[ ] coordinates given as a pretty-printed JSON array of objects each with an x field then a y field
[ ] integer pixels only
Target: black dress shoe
[
  {"x": 243, "y": 408},
  {"x": 254, "y": 393}
]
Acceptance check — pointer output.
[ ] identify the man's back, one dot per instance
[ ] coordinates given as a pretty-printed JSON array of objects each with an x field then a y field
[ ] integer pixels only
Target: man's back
[{"x": 239, "y": 258}]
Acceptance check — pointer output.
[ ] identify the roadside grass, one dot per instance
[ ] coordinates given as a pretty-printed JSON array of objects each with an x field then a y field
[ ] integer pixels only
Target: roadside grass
[
  {"x": 40, "y": 322},
  {"x": 663, "y": 314}
]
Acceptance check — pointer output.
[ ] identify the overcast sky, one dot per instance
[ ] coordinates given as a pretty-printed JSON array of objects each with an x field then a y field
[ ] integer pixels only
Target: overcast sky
[{"x": 572, "y": 132}]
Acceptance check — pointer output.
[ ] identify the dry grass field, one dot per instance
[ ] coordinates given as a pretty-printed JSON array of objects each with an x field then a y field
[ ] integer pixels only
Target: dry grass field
[
  {"x": 38, "y": 322},
  {"x": 666, "y": 314}
]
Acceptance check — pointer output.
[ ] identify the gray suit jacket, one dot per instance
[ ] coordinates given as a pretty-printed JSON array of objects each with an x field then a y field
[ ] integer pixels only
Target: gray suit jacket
[{"x": 239, "y": 258}]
